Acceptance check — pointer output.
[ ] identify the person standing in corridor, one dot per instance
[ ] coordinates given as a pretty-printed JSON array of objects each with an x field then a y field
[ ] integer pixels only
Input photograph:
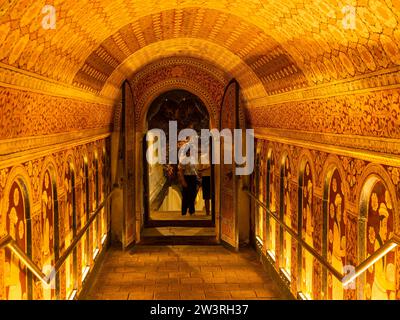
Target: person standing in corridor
[{"x": 188, "y": 178}]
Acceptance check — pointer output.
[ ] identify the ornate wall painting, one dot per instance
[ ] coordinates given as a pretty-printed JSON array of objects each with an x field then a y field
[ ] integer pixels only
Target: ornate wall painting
[
  {"x": 260, "y": 163},
  {"x": 46, "y": 233},
  {"x": 272, "y": 204},
  {"x": 263, "y": 189},
  {"x": 307, "y": 230},
  {"x": 28, "y": 114},
  {"x": 69, "y": 227},
  {"x": 253, "y": 188},
  {"x": 340, "y": 226},
  {"x": 286, "y": 215},
  {"x": 49, "y": 222},
  {"x": 228, "y": 210},
  {"x": 381, "y": 277},
  {"x": 94, "y": 202},
  {"x": 17, "y": 281},
  {"x": 106, "y": 184},
  {"x": 102, "y": 188},
  {"x": 84, "y": 213},
  {"x": 295, "y": 264},
  {"x": 129, "y": 143},
  {"x": 257, "y": 182},
  {"x": 363, "y": 114},
  {"x": 336, "y": 227}
]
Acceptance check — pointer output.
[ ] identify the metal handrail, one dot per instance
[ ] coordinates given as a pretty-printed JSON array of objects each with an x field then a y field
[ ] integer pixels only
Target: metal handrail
[
  {"x": 345, "y": 279},
  {"x": 10, "y": 243}
]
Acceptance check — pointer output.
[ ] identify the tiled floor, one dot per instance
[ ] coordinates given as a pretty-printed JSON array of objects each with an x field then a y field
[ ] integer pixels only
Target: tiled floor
[
  {"x": 182, "y": 273},
  {"x": 177, "y": 216},
  {"x": 182, "y": 232}
]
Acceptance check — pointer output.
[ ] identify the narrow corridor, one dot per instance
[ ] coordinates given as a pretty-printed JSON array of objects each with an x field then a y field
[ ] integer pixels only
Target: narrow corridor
[
  {"x": 174, "y": 127},
  {"x": 182, "y": 273}
]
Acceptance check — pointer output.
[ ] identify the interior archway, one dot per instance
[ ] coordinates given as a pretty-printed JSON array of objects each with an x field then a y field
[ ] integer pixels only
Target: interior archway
[
  {"x": 318, "y": 78},
  {"x": 161, "y": 181}
]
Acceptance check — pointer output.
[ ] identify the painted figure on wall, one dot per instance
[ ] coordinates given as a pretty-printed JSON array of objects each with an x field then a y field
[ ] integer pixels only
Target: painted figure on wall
[
  {"x": 84, "y": 208},
  {"x": 380, "y": 277},
  {"x": 272, "y": 204},
  {"x": 336, "y": 235},
  {"x": 287, "y": 216},
  {"x": 15, "y": 273},
  {"x": 94, "y": 180},
  {"x": 261, "y": 187},
  {"x": 69, "y": 224},
  {"x": 102, "y": 188},
  {"x": 307, "y": 232},
  {"x": 48, "y": 233}
]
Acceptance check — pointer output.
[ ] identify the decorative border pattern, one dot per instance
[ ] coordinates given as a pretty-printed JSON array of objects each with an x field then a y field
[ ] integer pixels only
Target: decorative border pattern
[
  {"x": 11, "y": 77},
  {"x": 368, "y": 145},
  {"x": 355, "y": 171},
  {"x": 385, "y": 79}
]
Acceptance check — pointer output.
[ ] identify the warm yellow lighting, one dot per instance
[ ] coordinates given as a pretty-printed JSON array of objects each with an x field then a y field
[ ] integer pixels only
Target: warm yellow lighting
[
  {"x": 85, "y": 273},
  {"x": 368, "y": 265},
  {"x": 287, "y": 275},
  {"x": 96, "y": 253},
  {"x": 271, "y": 254},
  {"x": 259, "y": 240},
  {"x": 103, "y": 240},
  {"x": 303, "y": 296},
  {"x": 73, "y": 295}
]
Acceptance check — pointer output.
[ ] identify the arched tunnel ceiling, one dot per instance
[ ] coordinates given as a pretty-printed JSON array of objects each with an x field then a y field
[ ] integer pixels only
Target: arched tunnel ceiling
[
  {"x": 210, "y": 53},
  {"x": 285, "y": 44},
  {"x": 260, "y": 52}
]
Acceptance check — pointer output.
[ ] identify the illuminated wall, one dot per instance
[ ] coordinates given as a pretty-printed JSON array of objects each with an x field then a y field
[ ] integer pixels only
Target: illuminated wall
[
  {"x": 43, "y": 208},
  {"x": 306, "y": 226},
  {"x": 315, "y": 87},
  {"x": 337, "y": 193}
]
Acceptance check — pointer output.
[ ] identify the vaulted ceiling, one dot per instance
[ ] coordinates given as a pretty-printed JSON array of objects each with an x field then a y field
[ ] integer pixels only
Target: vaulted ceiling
[{"x": 271, "y": 46}]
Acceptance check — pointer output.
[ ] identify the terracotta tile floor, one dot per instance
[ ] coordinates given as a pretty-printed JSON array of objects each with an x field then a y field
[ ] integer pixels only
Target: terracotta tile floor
[
  {"x": 182, "y": 273},
  {"x": 175, "y": 231},
  {"x": 177, "y": 216}
]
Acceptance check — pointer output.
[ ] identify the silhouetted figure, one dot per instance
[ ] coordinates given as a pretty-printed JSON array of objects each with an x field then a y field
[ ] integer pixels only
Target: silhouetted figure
[{"x": 188, "y": 179}]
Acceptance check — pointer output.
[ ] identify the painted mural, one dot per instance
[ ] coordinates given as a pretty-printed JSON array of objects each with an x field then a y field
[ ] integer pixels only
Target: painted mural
[
  {"x": 102, "y": 189},
  {"x": 50, "y": 233},
  {"x": 69, "y": 232},
  {"x": 84, "y": 212},
  {"x": 381, "y": 277},
  {"x": 261, "y": 183},
  {"x": 286, "y": 215},
  {"x": 39, "y": 215},
  {"x": 15, "y": 273},
  {"x": 345, "y": 178},
  {"x": 307, "y": 231},
  {"x": 336, "y": 234},
  {"x": 94, "y": 181},
  {"x": 272, "y": 225}
]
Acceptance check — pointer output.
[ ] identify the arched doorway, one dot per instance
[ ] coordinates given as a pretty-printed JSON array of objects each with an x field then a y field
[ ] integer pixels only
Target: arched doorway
[{"x": 162, "y": 196}]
